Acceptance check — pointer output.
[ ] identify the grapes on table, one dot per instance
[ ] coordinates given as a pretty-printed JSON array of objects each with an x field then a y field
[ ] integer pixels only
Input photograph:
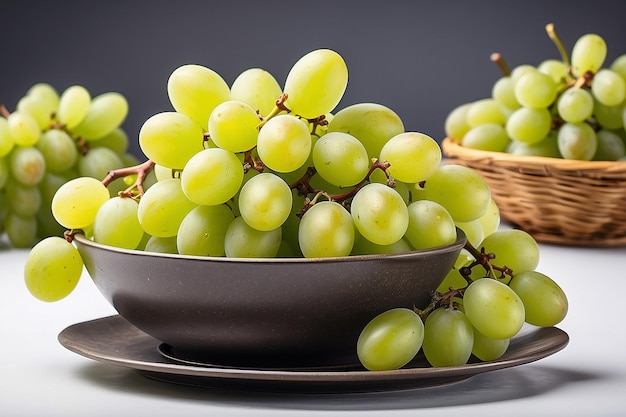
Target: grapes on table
[{"x": 258, "y": 171}]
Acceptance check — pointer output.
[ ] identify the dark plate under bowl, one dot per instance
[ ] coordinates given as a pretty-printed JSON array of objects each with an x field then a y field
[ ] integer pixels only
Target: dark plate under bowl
[{"x": 290, "y": 311}]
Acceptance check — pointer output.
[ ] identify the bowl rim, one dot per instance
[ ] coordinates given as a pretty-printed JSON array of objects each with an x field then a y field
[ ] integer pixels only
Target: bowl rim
[{"x": 461, "y": 238}]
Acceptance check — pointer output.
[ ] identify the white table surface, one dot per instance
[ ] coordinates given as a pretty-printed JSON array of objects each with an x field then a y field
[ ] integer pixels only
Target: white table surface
[{"x": 39, "y": 377}]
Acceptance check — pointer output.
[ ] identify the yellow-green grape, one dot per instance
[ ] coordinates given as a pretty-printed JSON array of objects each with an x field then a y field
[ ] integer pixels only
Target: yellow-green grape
[
  {"x": 461, "y": 190},
  {"x": 390, "y": 340},
  {"x": 619, "y": 66},
  {"x": 243, "y": 241},
  {"x": 503, "y": 92},
  {"x": 536, "y": 90},
  {"x": 455, "y": 124},
  {"x": 22, "y": 231},
  {"x": 46, "y": 94},
  {"x": 284, "y": 143},
  {"x": 326, "y": 230},
  {"x": 258, "y": 88},
  {"x": 413, "y": 156},
  {"x": 340, "y": 159},
  {"x": 73, "y": 106},
  {"x": 195, "y": 90},
  {"x": 448, "y": 338},
  {"x": 24, "y": 129},
  {"x": 52, "y": 269},
  {"x": 488, "y": 349},
  {"x": 575, "y": 105},
  {"x": 473, "y": 231},
  {"x": 6, "y": 140},
  {"x": 490, "y": 221},
  {"x": 233, "y": 126},
  {"x": 170, "y": 139},
  {"x": 556, "y": 69},
  {"x": 76, "y": 202},
  {"x": 521, "y": 70},
  {"x": 203, "y": 231},
  {"x": 27, "y": 165},
  {"x": 485, "y": 111},
  {"x": 430, "y": 225},
  {"x": 212, "y": 176},
  {"x": 4, "y": 172},
  {"x": 577, "y": 141},
  {"x": 98, "y": 162},
  {"x": 106, "y": 112},
  {"x": 544, "y": 301},
  {"x": 608, "y": 87},
  {"x": 316, "y": 83},
  {"x": 588, "y": 54},
  {"x": 116, "y": 140},
  {"x": 265, "y": 201},
  {"x": 161, "y": 244},
  {"x": 611, "y": 147},
  {"x": 116, "y": 223},
  {"x": 380, "y": 214},
  {"x": 513, "y": 248},
  {"x": 26, "y": 201},
  {"x": 487, "y": 137},
  {"x": 547, "y": 147},
  {"x": 58, "y": 149},
  {"x": 493, "y": 308},
  {"x": 371, "y": 123},
  {"x": 609, "y": 117},
  {"x": 163, "y": 207},
  {"x": 529, "y": 125},
  {"x": 37, "y": 109}
]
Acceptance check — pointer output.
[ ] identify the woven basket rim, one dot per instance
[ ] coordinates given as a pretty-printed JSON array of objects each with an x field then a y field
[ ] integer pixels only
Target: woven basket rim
[{"x": 453, "y": 149}]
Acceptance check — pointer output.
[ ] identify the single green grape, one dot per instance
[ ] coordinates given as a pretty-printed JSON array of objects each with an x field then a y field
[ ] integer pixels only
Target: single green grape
[
  {"x": 326, "y": 230},
  {"x": 448, "y": 338},
  {"x": 76, "y": 202},
  {"x": 243, "y": 241},
  {"x": 22, "y": 199},
  {"x": 116, "y": 223},
  {"x": 106, "y": 112},
  {"x": 536, "y": 90},
  {"x": 25, "y": 130},
  {"x": 608, "y": 87},
  {"x": 265, "y": 201},
  {"x": 513, "y": 248},
  {"x": 544, "y": 301},
  {"x": 575, "y": 105},
  {"x": 340, "y": 158},
  {"x": 503, "y": 91},
  {"x": 257, "y": 88},
  {"x": 611, "y": 147},
  {"x": 588, "y": 54},
  {"x": 58, "y": 149},
  {"x": 487, "y": 137},
  {"x": 483, "y": 111},
  {"x": 284, "y": 143},
  {"x": 529, "y": 125},
  {"x": 73, "y": 105},
  {"x": 163, "y": 207},
  {"x": 456, "y": 125},
  {"x": 413, "y": 156},
  {"x": 390, "y": 340},
  {"x": 233, "y": 126},
  {"x": 430, "y": 225},
  {"x": 577, "y": 141},
  {"x": 203, "y": 231},
  {"x": 488, "y": 349}
]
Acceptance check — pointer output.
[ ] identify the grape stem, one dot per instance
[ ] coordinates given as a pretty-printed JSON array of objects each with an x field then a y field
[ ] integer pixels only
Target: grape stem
[
  {"x": 499, "y": 61},
  {"x": 4, "y": 111},
  {"x": 278, "y": 107},
  {"x": 557, "y": 41},
  {"x": 140, "y": 170}
]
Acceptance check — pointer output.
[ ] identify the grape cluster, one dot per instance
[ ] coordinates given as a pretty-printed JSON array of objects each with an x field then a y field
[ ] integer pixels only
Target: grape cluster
[
  {"x": 256, "y": 170},
  {"x": 568, "y": 108},
  {"x": 48, "y": 140}
]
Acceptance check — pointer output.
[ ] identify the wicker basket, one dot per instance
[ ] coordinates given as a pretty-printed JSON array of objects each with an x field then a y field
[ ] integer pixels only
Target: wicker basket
[{"x": 568, "y": 202}]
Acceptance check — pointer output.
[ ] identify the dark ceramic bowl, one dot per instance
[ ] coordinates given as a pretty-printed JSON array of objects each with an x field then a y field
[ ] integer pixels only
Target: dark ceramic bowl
[{"x": 283, "y": 312}]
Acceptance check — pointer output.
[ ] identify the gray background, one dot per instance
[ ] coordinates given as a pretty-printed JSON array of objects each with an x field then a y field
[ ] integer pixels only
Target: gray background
[{"x": 421, "y": 58}]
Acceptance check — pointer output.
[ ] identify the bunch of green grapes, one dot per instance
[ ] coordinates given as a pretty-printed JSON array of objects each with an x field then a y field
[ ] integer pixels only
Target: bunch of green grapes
[
  {"x": 256, "y": 170},
  {"x": 572, "y": 108},
  {"x": 47, "y": 140}
]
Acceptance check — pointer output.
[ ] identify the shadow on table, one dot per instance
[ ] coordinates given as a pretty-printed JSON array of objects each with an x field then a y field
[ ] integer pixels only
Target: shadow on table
[{"x": 502, "y": 385}]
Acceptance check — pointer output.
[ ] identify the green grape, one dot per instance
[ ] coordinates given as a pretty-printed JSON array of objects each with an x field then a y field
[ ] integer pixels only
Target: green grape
[
  {"x": 619, "y": 66},
  {"x": 27, "y": 165},
  {"x": 513, "y": 248},
  {"x": 363, "y": 246},
  {"x": 529, "y": 125},
  {"x": 390, "y": 340},
  {"x": 608, "y": 87},
  {"x": 430, "y": 225},
  {"x": 535, "y": 90},
  {"x": 162, "y": 244},
  {"x": 575, "y": 105},
  {"x": 22, "y": 231},
  {"x": 58, "y": 149},
  {"x": 74, "y": 105},
  {"x": 371, "y": 123},
  {"x": 36, "y": 109},
  {"x": 116, "y": 140},
  {"x": 116, "y": 223},
  {"x": 503, "y": 92},
  {"x": 212, "y": 176},
  {"x": 284, "y": 143},
  {"x": 380, "y": 214},
  {"x": 316, "y": 83},
  {"x": 45, "y": 93},
  {"x": 233, "y": 126},
  {"x": 483, "y": 111},
  {"x": 106, "y": 112},
  {"x": 453, "y": 278},
  {"x": 547, "y": 147},
  {"x": 448, "y": 338},
  {"x": 521, "y": 70},
  {"x": 6, "y": 140},
  {"x": 340, "y": 158},
  {"x": 588, "y": 54},
  {"x": 487, "y": 137},
  {"x": 413, "y": 156},
  {"x": 24, "y": 129},
  {"x": 195, "y": 90},
  {"x": 163, "y": 207},
  {"x": 23, "y": 200},
  {"x": 473, "y": 230},
  {"x": 76, "y": 202},
  {"x": 52, "y": 269},
  {"x": 243, "y": 241},
  {"x": 577, "y": 141},
  {"x": 265, "y": 201},
  {"x": 490, "y": 221},
  {"x": 170, "y": 139},
  {"x": 611, "y": 147},
  {"x": 488, "y": 349},
  {"x": 609, "y": 117},
  {"x": 461, "y": 190},
  {"x": 455, "y": 124},
  {"x": 556, "y": 69},
  {"x": 493, "y": 308},
  {"x": 98, "y": 162},
  {"x": 544, "y": 301},
  {"x": 4, "y": 172},
  {"x": 257, "y": 88},
  {"x": 326, "y": 230},
  {"x": 203, "y": 231}
]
